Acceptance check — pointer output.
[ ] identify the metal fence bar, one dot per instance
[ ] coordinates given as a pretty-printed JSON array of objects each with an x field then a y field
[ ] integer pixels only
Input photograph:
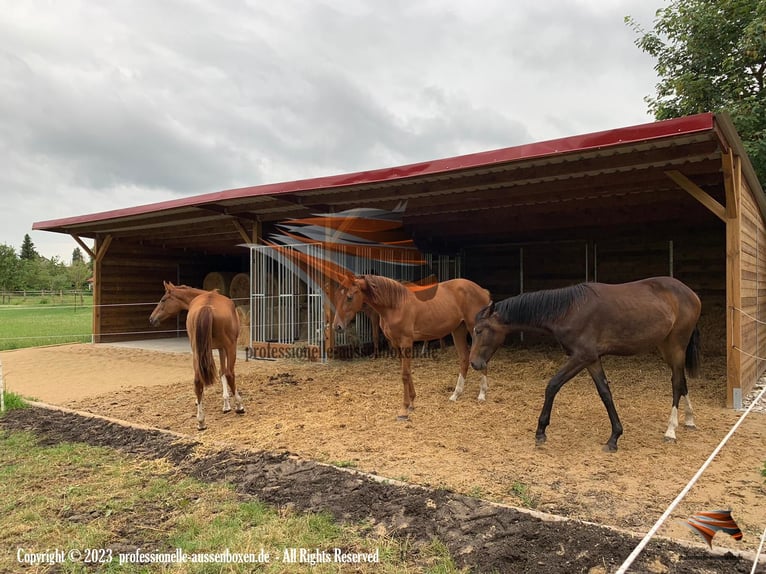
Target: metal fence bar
[{"x": 288, "y": 301}]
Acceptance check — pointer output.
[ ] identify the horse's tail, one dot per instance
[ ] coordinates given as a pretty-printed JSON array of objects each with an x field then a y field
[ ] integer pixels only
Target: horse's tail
[
  {"x": 204, "y": 339},
  {"x": 693, "y": 354}
]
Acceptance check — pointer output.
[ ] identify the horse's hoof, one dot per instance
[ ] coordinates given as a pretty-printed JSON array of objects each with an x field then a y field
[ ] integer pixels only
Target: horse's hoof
[
  {"x": 481, "y": 398},
  {"x": 453, "y": 398},
  {"x": 669, "y": 439},
  {"x": 403, "y": 418},
  {"x": 201, "y": 428},
  {"x": 610, "y": 448},
  {"x": 690, "y": 427},
  {"x": 226, "y": 411},
  {"x": 540, "y": 440},
  {"x": 240, "y": 411}
]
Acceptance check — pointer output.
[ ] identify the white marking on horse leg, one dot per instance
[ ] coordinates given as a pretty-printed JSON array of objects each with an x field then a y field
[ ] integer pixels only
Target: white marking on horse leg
[
  {"x": 200, "y": 416},
  {"x": 239, "y": 406},
  {"x": 483, "y": 388},
  {"x": 458, "y": 388},
  {"x": 670, "y": 434},
  {"x": 688, "y": 413},
  {"x": 225, "y": 385}
]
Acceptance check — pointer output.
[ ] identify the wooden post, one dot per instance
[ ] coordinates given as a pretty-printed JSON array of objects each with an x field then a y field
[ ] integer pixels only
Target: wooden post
[
  {"x": 102, "y": 245},
  {"x": 733, "y": 284},
  {"x": 730, "y": 214}
]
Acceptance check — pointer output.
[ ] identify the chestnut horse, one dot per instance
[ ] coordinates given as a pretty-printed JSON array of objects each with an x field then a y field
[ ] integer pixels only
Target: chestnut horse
[
  {"x": 591, "y": 320},
  {"x": 407, "y": 316},
  {"x": 212, "y": 323}
]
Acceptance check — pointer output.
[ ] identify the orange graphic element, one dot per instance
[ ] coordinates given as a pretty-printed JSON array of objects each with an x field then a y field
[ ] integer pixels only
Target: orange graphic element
[
  {"x": 707, "y": 523},
  {"x": 364, "y": 234}
]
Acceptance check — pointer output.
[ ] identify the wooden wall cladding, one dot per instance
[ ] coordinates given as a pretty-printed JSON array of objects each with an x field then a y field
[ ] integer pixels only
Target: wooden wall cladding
[
  {"x": 753, "y": 302},
  {"x": 131, "y": 285},
  {"x": 699, "y": 261}
]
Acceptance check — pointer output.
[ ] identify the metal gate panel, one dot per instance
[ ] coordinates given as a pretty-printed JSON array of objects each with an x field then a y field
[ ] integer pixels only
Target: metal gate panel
[
  {"x": 286, "y": 299},
  {"x": 288, "y": 302}
]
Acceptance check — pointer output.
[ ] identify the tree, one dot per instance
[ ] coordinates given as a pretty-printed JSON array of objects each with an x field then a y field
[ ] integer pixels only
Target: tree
[
  {"x": 9, "y": 269},
  {"x": 711, "y": 56},
  {"x": 78, "y": 273},
  {"x": 77, "y": 256},
  {"x": 28, "y": 251}
]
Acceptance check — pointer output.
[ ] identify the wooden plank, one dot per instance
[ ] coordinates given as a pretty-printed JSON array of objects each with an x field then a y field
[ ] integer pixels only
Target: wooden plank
[
  {"x": 697, "y": 193},
  {"x": 101, "y": 249},
  {"x": 82, "y": 244},
  {"x": 732, "y": 217}
]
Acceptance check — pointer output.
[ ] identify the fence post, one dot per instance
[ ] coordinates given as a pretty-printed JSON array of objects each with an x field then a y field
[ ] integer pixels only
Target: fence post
[{"x": 2, "y": 390}]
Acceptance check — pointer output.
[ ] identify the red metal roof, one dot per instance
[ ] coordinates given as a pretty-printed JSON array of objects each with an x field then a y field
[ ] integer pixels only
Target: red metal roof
[{"x": 578, "y": 143}]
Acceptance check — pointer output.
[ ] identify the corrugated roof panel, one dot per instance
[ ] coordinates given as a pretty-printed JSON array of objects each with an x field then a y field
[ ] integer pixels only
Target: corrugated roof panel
[{"x": 385, "y": 176}]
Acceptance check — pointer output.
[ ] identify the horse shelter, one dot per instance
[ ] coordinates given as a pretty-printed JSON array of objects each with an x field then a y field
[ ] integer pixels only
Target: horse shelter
[{"x": 676, "y": 197}]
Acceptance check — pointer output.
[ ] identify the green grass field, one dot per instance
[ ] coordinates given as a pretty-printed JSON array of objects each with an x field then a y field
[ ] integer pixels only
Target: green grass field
[
  {"x": 40, "y": 321},
  {"x": 104, "y": 507}
]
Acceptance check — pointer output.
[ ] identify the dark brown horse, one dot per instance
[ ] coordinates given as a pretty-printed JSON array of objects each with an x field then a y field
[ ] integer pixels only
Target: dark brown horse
[
  {"x": 407, "y": 316},
  {"x": 591, "y": 320},
  {"x": 212, "y": 322}
]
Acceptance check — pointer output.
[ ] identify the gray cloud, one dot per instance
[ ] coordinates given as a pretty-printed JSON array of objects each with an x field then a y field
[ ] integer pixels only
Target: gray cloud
[{"x": 115, "y": 104}]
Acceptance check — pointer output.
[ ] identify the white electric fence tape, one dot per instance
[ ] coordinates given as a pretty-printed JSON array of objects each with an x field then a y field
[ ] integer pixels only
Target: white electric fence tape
[{"x": 653, "y": 530}]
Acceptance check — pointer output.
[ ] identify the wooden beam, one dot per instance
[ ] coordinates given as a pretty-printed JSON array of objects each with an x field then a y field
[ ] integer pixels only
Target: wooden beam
[
  {"x": 255, "y": 237},
  {"x": 698, "y": 193},
  {"x": 82, "y": 244},
  {"x": 101, "y": 247},
  {"x": 733, "y": 170},
  {"x": 242, "y": 231},
  {"x": 733, "y": 188}
]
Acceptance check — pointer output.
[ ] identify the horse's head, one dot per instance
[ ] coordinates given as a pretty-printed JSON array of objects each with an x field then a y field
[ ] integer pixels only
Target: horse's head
[
  {"x": 487, "y": 336},
  {"x": 169, "y": 306},
  {"x": 349, "y": 300}
]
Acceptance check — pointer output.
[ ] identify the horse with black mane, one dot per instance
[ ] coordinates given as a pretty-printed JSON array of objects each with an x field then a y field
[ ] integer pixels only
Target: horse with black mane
[{"x": 591, "y": 320}]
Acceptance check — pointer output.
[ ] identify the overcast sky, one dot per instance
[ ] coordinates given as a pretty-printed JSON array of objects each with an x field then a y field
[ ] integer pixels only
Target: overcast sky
[{"x": 121, "y": 103}]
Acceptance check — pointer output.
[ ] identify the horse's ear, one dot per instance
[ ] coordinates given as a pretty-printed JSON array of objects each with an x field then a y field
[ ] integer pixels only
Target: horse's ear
[
  {"x": 348, "y": 280},
  {"x": 168, "y": 285},
  {"x": 487, "y": 311}
]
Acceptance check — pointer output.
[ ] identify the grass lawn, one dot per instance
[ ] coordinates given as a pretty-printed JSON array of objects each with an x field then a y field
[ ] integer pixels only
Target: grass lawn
[
  {"x": 42, "y": 324},
  {"x": 91, "y": 502}
]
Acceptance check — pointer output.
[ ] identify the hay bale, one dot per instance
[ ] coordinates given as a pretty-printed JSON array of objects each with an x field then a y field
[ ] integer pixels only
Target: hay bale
[
  {"x": 239, "y": 288},
  {"x": 218, "y": 280},
  {"x": 244, "y": 325}
]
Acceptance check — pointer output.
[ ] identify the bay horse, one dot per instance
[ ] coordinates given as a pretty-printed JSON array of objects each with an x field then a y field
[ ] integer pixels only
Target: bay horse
[
  {"x": 212, "y": 322},
  {"x": 407, "y": 316},
  {"x": 591, "y": 320}
]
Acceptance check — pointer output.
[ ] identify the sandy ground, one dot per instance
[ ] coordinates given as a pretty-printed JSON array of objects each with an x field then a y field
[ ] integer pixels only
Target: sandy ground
[{"x": 343, "y": 412}]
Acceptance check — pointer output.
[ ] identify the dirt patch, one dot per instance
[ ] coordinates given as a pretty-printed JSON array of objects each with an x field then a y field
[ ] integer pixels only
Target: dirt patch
[
  {"x": 480, "y": 535},
  {"x": 344, "y": 413},
  {"x": 62, "y": 373}
]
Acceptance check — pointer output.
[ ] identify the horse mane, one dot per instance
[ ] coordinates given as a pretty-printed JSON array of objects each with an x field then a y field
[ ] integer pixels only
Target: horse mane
[
  {"x": 190, "y": 288},
  {"x": 384, "y": 291},
  {"x": 538, "y": 307}
]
